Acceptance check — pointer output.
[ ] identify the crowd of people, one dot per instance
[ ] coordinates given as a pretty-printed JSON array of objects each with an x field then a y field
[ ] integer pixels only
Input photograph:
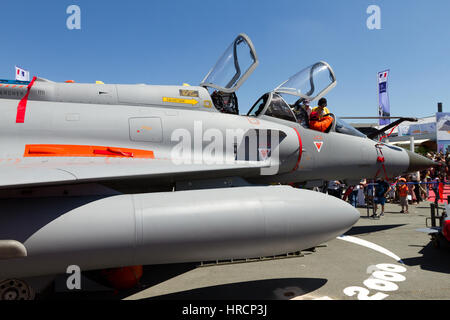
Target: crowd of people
[{"x": 404, "y": 190}]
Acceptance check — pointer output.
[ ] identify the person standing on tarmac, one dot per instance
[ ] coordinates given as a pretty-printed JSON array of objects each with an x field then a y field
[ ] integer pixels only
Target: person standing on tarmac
[
  {"x": 403, "y": 194},
  {"x": 411, "y": 188},
  {"x": 334, "y": 189},
  {"x": 360, "y": 198},
  {"x": 435, "y": 187},
  {"x": 381, "y": 189},
  {"x": 416, "y": 180}
]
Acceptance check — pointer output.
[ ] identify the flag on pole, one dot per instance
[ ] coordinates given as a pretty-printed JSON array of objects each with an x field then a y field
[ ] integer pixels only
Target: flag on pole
[
  {"x": 22, "y": 75},
  {"x": 384, "y": 108}
]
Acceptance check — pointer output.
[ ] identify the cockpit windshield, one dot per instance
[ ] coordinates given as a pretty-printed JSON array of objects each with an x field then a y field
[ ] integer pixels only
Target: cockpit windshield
[
  {"x": 272, "y": 105},
  {"x": 311, "y": 83},
  {"x": 234, "y": 67},
  {"x": 345, "y": 128}
]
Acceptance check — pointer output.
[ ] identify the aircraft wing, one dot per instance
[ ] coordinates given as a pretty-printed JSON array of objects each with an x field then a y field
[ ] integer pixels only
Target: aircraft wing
[{"x": 97, "y": 170}]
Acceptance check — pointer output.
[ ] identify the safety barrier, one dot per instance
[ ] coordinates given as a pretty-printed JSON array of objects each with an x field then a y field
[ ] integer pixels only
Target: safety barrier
[{"x": 435, "y": 216}]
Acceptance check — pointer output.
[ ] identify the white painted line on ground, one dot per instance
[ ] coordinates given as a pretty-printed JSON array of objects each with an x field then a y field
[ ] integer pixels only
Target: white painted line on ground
[{"x": 371, "y": 245}]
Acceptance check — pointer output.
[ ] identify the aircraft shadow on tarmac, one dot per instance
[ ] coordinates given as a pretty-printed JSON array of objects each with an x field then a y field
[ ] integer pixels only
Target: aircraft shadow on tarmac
[
  {"x": 432, "y": 259},
  {"x": 152, "y": 275},
  {"x": 270, "y": 289},
  {"x": 370, "y": 229}
]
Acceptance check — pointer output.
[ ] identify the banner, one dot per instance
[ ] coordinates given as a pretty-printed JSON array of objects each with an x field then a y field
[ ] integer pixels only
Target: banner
[
  {"x": 384, "y": 109},
  {"x": 443, "y": 132},
  {"x": 22, "y": 75},
  {"x": 421, "y": 127}
]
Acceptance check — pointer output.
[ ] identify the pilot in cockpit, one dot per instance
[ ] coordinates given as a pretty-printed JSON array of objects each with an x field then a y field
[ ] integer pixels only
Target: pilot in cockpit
[
  {"x": 322, "y": 109},
  {"x": 322, "y": 124},
  {"x": 320, "y": 118}
]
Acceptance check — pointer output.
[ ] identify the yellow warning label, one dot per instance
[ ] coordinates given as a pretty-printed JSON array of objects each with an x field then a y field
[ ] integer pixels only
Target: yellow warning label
[
  {"x": 189, "y": 93},
  {"x": 192, "y": 102}
]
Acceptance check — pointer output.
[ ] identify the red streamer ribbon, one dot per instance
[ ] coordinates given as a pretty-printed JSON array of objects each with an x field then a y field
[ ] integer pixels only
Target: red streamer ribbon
[{"x": 22, "y": 107}]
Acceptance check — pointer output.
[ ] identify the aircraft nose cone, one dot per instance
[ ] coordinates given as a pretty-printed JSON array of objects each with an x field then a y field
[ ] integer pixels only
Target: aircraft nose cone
[{"x": 418, "y": 162}]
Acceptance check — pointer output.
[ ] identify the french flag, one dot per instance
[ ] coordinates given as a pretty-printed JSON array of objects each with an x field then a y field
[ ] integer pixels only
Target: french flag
[
  {"x": 22, "y": 74},
  {"x": 382, "y": 76}
]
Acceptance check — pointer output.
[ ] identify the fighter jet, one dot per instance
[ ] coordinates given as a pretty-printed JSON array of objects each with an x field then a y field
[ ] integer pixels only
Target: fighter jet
[{"x": 102, "y": 176}]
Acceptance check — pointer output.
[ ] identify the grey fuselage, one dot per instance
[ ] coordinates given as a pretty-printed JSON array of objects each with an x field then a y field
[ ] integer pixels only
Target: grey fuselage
[{"x": 76, "y": 114}]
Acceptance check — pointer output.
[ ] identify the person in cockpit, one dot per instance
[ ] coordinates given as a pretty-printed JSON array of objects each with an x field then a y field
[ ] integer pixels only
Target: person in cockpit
[
  {"x": 322, "y": 109},
  {"x": 302, "y": 111},
  {"x": 307, "y": 106},
  {"x": 320, "y": 124}
]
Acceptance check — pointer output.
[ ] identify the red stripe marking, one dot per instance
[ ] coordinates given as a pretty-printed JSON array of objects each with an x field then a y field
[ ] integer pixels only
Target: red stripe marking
[
  {"x": 54, "y": 150},
  {"x": 300, "y": 149},
  {"x": 112, "y": 152},
  {"x": 22, "y": 107}
]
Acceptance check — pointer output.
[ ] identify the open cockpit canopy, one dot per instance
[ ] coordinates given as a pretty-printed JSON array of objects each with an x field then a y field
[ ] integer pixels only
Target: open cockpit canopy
[
  {"x": 311, "y": 83},
  {"x": 234, "y": 67}
]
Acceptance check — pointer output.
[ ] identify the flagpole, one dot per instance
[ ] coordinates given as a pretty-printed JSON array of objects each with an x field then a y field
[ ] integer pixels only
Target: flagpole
[{"x": 378, "y": 98}]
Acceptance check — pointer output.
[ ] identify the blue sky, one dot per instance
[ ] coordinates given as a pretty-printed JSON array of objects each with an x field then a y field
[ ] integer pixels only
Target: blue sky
[{"x": 173, "y": 42}]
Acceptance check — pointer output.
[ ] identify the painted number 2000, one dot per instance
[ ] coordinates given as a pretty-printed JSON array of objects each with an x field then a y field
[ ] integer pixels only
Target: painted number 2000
[{"x": 383, "y": 279}]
